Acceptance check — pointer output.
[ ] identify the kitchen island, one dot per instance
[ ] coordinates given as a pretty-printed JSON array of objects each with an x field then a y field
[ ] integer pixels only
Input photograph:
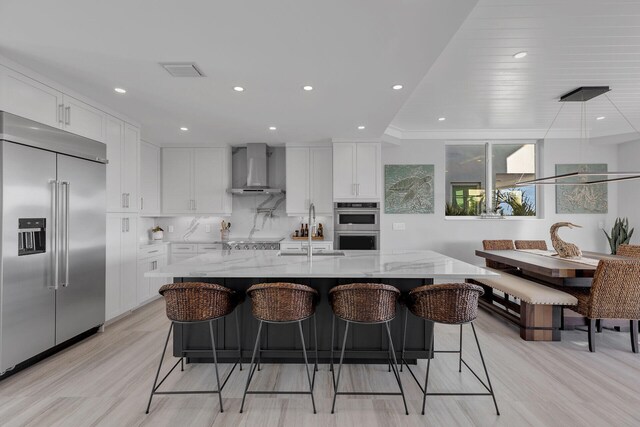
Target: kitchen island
[{"x": 238, "y": 270}]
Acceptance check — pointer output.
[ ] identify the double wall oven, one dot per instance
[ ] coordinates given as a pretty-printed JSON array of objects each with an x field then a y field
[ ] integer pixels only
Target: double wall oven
[{"x": 356, "y": 226}]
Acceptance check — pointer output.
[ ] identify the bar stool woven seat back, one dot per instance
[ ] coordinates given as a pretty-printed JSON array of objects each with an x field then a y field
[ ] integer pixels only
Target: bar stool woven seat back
[
  {"x": 497, "y": 245},
  {"x": 197, "y": 302},
  {"x": 364, "y": 303},
  {"x": 631, "y": 251},
  {"x": 280, "y": 303},
  {"x": 452, "y": 304}
]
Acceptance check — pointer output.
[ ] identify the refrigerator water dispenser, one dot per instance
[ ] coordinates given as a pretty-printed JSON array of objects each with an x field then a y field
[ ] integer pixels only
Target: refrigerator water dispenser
[{"x": 31, "y": 236}]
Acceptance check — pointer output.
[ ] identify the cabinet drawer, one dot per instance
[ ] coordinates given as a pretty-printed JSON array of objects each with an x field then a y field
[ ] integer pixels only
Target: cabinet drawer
[
  {"x": 152, "y": 251},
  {"x": 182, "y": 257},
  {"x": 209, "y": 247},
  {"x": 290, "y": 246},
  {"x": 181, "y": 248}
]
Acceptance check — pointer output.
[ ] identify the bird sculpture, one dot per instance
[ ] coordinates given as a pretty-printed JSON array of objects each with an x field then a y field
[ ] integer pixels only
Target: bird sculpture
[{"x": 564, "y": 249}]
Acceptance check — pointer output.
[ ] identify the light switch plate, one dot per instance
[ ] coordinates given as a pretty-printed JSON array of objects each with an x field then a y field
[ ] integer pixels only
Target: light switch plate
[
  {"x": 171, "y": 229},
  {"x": 398, "y": 226},
  {"x": 207, "y": 228}
]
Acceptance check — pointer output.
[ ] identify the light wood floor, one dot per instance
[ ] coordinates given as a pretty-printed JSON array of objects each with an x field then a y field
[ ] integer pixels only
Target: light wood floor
[{"x": 105, "y": 380}]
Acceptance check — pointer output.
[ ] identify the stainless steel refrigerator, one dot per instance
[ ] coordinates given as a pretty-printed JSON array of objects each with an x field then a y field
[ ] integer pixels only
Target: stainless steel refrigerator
[{"x": 52, "y": 276}]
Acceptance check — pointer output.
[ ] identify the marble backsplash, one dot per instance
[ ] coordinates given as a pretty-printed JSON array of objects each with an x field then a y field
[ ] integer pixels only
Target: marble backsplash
[{"x": 252, "y": 217}]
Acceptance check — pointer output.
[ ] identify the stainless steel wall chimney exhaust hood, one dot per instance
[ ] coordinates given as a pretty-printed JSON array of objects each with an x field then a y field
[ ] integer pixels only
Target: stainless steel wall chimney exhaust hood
[{"x": 257, "y": 172}]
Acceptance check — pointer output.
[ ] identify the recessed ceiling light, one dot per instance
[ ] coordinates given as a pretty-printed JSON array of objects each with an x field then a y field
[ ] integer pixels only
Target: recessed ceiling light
[
  {"x": 238, "y": 88},
  {"x": 184, "y": 129},
  {"x": 272, "y": 128},
  {"x": 307, "y": 88},
  {"x": 120, "y": 90},
  {"x": 397, "y": 87},
  {"x": 442, "y": 119},
  {"x": 360, "y": 127},
  {"x": 520, "y": 55},
  {"x": 600, "y": 118}
]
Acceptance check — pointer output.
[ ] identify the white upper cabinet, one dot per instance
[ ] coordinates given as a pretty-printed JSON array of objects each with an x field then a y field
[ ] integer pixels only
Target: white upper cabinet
[
  {"x": 149, "y": 178},
  {"x": 356, "y": 171},
  {"x": 83, "y": 119},
  {"x": 123, "y": 146},
  {"x": 309, "y": 176},
  {"x": 25, "y": 97},
  {"x": 297, "y": 176},
  {"x": 195, "y": 180}
]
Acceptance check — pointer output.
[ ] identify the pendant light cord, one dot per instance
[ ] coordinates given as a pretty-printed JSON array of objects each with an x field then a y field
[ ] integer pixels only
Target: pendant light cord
[
  {"x": 554, "y": 120},
  {"x": 623, "y": 116}
]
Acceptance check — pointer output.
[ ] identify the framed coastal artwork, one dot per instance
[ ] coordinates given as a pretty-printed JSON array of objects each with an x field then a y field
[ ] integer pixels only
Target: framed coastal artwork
[
  {"x": 408, "y": 189},
  {"x": 581, "y": 199}
]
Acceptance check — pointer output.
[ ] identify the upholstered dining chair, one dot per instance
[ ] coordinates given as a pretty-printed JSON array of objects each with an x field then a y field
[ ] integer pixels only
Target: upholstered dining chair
[{"x": 614, "y": 294}]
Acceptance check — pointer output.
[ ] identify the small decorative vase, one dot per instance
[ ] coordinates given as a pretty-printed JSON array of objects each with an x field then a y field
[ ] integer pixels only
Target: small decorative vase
[
  {"x": 224, "y": 235},
  {"x": 157, "y": 235}
]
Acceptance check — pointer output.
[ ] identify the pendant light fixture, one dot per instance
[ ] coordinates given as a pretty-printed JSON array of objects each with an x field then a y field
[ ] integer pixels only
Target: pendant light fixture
[{"x": 584, "y": 94}]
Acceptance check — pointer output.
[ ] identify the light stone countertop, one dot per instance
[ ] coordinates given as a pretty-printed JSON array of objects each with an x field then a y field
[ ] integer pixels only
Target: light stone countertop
[{"x": 356, "y": 264}]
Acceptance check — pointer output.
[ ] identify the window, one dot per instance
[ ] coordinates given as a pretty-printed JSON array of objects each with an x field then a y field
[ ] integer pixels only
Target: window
[{"x": 482, "y": 178}]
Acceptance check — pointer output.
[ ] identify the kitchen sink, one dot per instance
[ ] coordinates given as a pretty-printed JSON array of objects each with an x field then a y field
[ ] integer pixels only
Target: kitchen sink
[{"x": 316, "y": 253}]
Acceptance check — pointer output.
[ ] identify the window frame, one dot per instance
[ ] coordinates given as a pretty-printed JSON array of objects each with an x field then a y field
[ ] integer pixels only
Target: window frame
[{"x": 489, "y": 178}]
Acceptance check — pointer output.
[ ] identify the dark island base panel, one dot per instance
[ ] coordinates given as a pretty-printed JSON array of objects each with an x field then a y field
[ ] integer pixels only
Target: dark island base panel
[{"x": 281, "y": 343}]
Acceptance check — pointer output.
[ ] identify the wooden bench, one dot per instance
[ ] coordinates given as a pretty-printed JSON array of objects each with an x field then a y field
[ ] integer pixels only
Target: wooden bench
[{"x": 535, "y": 308}]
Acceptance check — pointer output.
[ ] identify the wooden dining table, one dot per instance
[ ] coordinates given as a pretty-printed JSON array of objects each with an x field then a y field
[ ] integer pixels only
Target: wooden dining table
[{"x": 554, "y": 271}]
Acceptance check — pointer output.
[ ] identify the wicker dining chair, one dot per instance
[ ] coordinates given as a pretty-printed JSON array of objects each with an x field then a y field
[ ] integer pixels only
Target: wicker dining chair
[
  {"x": 531, "y": 244},
  {"x": 282, "y": 303},
  {"x": 614, "y": 294},
  {"x": 631, "y": 251},
  {"x": 451, "y": 304},
  {"x": 369, "y": 304},
  {"x": 498, "y": 245},
  {"x": 191, "y": 303}
]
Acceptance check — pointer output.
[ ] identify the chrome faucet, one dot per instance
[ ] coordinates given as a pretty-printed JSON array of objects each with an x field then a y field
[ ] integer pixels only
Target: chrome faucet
[{"x": 312, "y": 226}]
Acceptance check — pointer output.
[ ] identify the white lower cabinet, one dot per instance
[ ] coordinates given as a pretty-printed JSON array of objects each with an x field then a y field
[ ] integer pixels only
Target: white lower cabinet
[
  {"x": 150, "y": 259},
  {"x": 296, "y": 246},
  {"x": 182, "y": 251},
  {"x": 121, "y": 271}
]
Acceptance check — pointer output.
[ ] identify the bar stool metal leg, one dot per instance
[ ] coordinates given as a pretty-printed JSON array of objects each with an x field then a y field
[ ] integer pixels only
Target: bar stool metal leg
[
  {"x": 306, "y": 365},
  {"x": 404, "y": 337},
  {"x": 395, "y": 368},
  {"x": 333, "y": 328},
  {"x": 164, "y": 350},
  {"x": 315, "y": 337},
  {"x": 426, "y": 379},
  {"x": 460, "y": 359},
  {"x": 485, "y": 369},
  {"x": 336, "y": 381},
  {"x": 252, "y": 368},
  {"x": 238, "y": 338},
  {"x": 215, "y": 363}
]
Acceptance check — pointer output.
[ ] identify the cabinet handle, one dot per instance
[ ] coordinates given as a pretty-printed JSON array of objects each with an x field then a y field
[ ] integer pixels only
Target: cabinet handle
[
  {"x": 141, "y": 203},
  {"x": 67, "y": 116},
  {"x": 60, "y": 113},
  {"x": 127, "y": 219},
  {"x": 124, "y": 205},
  {"x": 194, "y": 205},
  {"x": 152, "y": 252},
  {"x": 124, "y": 227}
]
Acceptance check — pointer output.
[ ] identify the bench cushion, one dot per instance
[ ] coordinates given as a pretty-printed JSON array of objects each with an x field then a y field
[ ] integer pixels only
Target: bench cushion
[{"x": 526, "y": 290}]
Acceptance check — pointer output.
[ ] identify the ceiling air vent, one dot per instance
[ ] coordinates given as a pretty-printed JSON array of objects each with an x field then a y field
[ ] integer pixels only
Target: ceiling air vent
[{"x": 182, "y": 69}]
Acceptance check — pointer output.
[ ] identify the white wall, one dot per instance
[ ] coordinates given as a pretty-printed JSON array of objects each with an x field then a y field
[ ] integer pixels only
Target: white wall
[
  {"x": 459, "y": 238},
  {"x": 629, "y": 192}
]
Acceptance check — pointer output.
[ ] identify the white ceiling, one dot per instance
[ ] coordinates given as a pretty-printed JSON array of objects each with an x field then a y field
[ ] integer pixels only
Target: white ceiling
[
  {"x": 479, "y": 87},
  {"x": 352, "y": 52}
]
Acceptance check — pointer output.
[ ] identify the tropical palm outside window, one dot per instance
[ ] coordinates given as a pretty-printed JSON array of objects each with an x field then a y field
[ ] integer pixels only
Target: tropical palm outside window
[{"x": 472, "y": 168}]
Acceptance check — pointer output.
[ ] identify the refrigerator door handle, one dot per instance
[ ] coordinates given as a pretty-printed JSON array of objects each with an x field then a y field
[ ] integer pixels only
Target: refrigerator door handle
[
  {"x": 54, "y": 233},
  {"x": 67, "y": 188}
]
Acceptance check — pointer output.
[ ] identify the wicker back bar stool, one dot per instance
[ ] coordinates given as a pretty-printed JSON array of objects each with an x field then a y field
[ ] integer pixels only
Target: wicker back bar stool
[
  {"x": 364, "y": 303},
  {"x": 451, "y": 304},
  {"x": 282, "y": 303},
  {"x": 196, "y": 302}
]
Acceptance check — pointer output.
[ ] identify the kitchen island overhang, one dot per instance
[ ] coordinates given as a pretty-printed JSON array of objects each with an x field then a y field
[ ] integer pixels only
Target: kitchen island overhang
[{"x": 240, "y": 269}]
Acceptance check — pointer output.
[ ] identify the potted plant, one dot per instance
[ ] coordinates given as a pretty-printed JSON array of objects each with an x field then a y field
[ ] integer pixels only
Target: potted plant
[
  {"x": 620, "y": 234},
  {"x": 157, "y": 233}
]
